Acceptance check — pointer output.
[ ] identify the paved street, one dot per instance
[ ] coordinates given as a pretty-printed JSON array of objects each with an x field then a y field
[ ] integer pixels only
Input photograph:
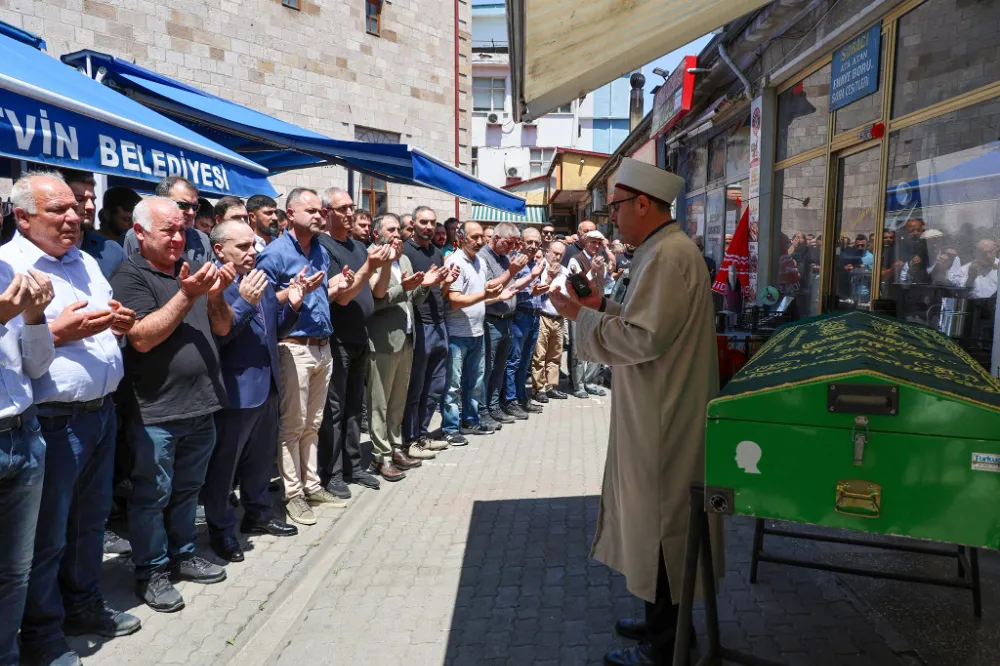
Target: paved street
[{"x": 480, "y": 557}]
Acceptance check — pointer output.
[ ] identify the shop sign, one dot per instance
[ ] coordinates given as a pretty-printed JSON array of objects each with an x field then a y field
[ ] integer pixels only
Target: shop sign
[
  {"x": 856, "y": 68},
  {"x": 38, "y": 132},
  {"x": 674, "y": 98}
]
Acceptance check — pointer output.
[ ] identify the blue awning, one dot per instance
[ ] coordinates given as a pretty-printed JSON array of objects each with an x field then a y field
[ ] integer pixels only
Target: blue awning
[
  {"x": 52, "y": 115},
  {"x": 976, "y": 179},
  {"x": 282, "y": 146}
]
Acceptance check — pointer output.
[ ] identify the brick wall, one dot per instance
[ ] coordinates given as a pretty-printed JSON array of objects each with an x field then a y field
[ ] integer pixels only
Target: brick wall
[{"x": 317, "y": 67}]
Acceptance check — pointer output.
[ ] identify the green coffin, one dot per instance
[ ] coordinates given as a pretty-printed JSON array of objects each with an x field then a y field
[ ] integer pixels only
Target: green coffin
[{"x": 857, "y": 421}]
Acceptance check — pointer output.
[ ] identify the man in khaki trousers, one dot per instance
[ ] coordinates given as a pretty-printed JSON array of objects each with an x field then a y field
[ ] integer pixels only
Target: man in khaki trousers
[
  {"x": 548, "y": 350},
  {"x": 397, "y": 291}
]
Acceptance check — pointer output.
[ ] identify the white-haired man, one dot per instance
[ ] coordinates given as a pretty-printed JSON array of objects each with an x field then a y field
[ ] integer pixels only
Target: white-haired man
[
  {"x": 77, "y": 417},
  {"x": 173, "y": 364}
]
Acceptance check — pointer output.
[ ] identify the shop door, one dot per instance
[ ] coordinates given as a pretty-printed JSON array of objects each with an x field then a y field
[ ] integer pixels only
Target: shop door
[{"x": 855, "y": 218}]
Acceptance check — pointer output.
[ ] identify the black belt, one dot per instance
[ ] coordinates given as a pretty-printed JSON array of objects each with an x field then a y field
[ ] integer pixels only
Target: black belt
[
  {"x": 51, "y": 409},
  {"x": 17, "y": 422},
  {"x": 550, "y": 316},
  {"x": 531, "y": 311},
  {"x": 500, "y": 317}
]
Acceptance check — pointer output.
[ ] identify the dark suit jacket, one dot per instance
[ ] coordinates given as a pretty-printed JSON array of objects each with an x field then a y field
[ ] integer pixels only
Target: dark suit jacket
[{"x": 249, "y": 353}]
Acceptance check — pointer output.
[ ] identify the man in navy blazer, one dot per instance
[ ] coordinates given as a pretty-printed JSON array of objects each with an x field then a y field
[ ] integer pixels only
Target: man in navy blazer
[{"x": 247, "y": 429}]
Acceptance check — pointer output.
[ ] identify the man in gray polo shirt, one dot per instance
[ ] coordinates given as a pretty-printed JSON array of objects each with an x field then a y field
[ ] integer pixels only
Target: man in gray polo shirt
[{"x": 467, "y": 298}]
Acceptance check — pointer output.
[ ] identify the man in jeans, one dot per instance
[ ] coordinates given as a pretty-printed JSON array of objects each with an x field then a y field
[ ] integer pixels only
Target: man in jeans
[
  {"x": 524, "y": 328},
  {"x": 26, "y": 352},
  {"x": 340, "y": 433},
  {"x": 467, "y": 299},
  {"x": 499, "y": 315},
  {"x": 304, "y": 358},
  {"x": 77, "y": 417},
  {"x": 430, "y": 340},
  {"x": 173, "y": 364}
]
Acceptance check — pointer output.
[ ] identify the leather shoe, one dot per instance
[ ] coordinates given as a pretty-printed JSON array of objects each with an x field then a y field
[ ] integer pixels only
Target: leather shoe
[
  {"x": 634, "y": 655},
  {"x": 271, "y": 526},
  {"x": 389, "y": 472},
  {"x": 227, "y": 547},
  {"x": 403, "y": 461},
  {"x": 633, "y": 630}
]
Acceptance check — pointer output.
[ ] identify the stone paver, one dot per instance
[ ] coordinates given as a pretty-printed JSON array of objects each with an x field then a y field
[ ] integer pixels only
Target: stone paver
[{"x": 480, "y": 557}]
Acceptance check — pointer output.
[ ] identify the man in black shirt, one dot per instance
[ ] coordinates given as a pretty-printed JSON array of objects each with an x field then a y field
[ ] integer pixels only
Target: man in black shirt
[
  {"x": 173, "y": 364},
  {"x": 430, "y": 344},
  {"x": 340, "y": 433}
]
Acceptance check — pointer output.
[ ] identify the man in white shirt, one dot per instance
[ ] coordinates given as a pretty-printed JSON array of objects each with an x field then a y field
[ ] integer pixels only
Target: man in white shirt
[
  {"x": 980, "y": 275},
  {"x": 77, "y": 417},
  {"x": 25, "y": 353},
  {"x": 263, "y": 212}
]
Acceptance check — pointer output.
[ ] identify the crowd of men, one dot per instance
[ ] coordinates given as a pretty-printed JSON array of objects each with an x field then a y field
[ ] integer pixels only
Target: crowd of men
[{"x": 178, "y": 351}]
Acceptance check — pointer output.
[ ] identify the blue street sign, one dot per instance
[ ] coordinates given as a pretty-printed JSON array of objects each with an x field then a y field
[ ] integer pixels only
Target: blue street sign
[{"x": 855, "y": 70}]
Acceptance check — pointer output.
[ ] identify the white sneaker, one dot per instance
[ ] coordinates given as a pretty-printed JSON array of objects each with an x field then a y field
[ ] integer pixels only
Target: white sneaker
[{"x": 299, "y": 511}]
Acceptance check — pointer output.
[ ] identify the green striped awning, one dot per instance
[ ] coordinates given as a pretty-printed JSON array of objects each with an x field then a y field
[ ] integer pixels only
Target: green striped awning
[{"x": 533, "y": 215}]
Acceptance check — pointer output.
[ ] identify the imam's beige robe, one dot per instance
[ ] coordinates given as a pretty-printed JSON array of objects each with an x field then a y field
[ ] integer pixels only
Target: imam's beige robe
[{"x": 661, "y": 345}]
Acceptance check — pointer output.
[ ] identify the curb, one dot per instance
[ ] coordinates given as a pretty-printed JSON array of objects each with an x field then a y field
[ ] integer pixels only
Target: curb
[{"x": 267, "y": 630}]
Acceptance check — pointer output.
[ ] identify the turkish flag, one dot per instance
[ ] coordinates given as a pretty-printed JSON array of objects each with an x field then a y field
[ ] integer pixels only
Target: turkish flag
[{"x": 738, "y": 256}]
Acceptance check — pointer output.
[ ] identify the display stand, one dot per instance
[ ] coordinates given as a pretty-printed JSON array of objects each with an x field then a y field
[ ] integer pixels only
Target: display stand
[
  {"x": 968, "y": 560},
  {"x": 699, "y": 545}
]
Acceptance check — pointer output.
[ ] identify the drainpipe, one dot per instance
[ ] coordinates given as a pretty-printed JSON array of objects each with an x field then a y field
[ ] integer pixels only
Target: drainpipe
[
  {"x": 457, "y": 132},
  {"x": 747, "y": 88}
]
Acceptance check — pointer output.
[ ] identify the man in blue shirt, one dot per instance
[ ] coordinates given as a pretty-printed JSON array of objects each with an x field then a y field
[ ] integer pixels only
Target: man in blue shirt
[
  {"x": 108, "y": 254},
  {"x": 524, "y": 330},
  {"x": 304, "y": 360}
]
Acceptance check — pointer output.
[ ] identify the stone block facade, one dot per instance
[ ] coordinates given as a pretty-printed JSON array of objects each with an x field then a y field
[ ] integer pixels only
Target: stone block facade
[{"x": 315, "y": 66}]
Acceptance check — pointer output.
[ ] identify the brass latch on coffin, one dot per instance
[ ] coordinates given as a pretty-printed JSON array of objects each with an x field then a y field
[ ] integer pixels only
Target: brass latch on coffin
[{"x": 861, "y": 499}]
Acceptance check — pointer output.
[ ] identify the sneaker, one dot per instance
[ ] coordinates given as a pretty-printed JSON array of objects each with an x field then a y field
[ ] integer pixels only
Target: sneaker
[
  {"x": 420, "y": 452},
  {"x": 514, "y": 410},
  {"x": 115, "y": 545},
  {"x": 501, "y": 416},
  {"x": 476, "y": 429},
  {"x": 97, "y": 618},
  {"x": 298, "y": 510},
  {"x": 538, "y": 396},
  {"x": 366, "y": 479},
  {"x": 338, "y": 487},
  {"x": 556, "y": 394},
  {"x": 530, "y": 408},
  {"x": 593, "y": 389},
  {"x": 455, "y": 439},
  {"x": 197, "y": 570},
  {"x": 583, "y": 395},
  {"x": 489, "y": 422},
  {"x": 434, "y": 444},
  {"x": 324, "y": 496},
  {"x": 54, "y": 653},
  {"x": 159, "y": 593}
]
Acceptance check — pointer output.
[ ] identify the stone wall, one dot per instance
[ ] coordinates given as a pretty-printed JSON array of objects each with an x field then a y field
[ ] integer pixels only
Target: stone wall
[{"x": 315, "y": 67}]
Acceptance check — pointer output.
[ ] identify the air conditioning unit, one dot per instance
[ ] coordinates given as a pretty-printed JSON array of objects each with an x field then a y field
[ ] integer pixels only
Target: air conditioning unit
[
  {"x": 493, "y": 119},
  {"x": 512, "y": 172}
]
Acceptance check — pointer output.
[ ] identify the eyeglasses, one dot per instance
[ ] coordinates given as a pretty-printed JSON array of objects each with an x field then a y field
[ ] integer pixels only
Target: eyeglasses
[
  {"x": 618, "y": 202},
  {"x": 344, "y": 208},
  {"x": 186, "y": 206}
]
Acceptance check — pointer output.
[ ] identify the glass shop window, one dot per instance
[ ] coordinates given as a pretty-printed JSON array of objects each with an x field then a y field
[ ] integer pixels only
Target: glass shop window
[
  {"x": 695, "y": 169},
  {"x": 717, "y": 158},
  {"x": 942, "y": 222},
  {"x": 694, "y": 221},
  {"x": 736, "y": 202},
  {"x": 803, "y": 115},
  {"x": 798, "y": 204},
  {"x": 738, "y": 150},
  {"x": 945, "y": 48},
  {"x": 865, "y": 110},
  {"x": 715, "y": 225}
]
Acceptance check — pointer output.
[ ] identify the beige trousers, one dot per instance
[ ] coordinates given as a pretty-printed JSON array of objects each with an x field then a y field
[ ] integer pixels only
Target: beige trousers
[
  {"x": 305, "y": 377},
  {"x": 548, "y": 354},
  {"x": 388, "y": 380}
]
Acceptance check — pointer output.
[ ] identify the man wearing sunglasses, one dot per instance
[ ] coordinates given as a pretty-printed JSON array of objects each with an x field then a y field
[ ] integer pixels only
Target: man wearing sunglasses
[
  {"x": 548, "y": 235},
  {"x": 197, "y": 246}
]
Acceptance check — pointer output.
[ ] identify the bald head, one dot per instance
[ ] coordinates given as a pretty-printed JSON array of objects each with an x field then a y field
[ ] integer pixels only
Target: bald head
[{"x": 585, "y": 227}]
